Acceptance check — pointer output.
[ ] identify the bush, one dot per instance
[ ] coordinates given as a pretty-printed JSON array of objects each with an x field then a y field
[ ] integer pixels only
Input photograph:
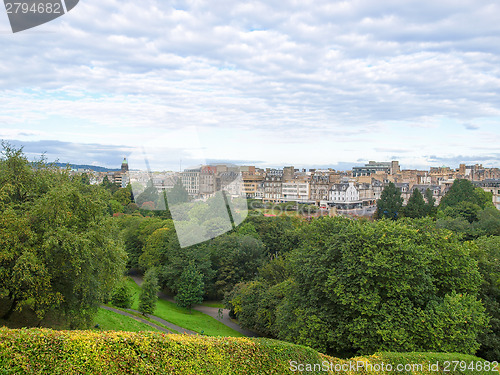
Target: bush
[
  {"x": 122, "y": 297},
  {"x": 43, "y": 351}
]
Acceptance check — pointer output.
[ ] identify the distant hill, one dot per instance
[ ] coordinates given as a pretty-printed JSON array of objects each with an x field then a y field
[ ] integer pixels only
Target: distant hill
[{"x": 86, "y": 166}]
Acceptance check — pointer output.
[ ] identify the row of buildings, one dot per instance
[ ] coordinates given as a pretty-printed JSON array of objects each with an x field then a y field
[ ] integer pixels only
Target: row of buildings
[{"x": 357, "y": 188}]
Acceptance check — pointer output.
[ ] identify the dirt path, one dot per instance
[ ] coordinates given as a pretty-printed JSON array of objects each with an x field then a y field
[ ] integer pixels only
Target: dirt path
[
  {"x": 155, "y": 318},
  {"x": 210, "y": 311}
]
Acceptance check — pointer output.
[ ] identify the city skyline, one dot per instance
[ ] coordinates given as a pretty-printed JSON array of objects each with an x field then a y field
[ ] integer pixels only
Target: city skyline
[
  {"x": 311, "y": 84},
  {"x": 351, "y": 169},
  {"x": 33, "y": 152}
]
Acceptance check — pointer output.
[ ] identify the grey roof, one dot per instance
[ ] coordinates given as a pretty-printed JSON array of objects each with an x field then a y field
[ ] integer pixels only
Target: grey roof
[{"x": 339, "y": 187}]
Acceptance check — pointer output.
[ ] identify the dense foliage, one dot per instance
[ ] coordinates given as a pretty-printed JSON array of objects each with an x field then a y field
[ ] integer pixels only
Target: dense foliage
[
  {"x": 59, "y": 249},
  {"x": 486, "y": 250},
  {"x": 122, "y": 297},
  {"x": 35, "y": 351},
  {"x": 152, "y": 243},
  {"x": 468, "y": 211},
  {"x": 390, "y": 204},
  {"x": 341, "y": 286},
  {"x": 358, "y": 287},
  {"x": 190, "y": 287},
  {"x": 463, "y": 191},
  {"x": 426, "y": 279}
]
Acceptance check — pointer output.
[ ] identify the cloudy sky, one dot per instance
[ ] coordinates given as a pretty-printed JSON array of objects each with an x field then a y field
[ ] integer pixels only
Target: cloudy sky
[{"x": 288, "y": 82}]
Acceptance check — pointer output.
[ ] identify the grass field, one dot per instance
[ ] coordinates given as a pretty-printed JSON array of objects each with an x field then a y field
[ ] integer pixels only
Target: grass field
[
  {"x": 139, "y": 315},
  {"x": 194, "y": 320},
  {"x": 216, "y": 304},
  {"x": 111, "y": 321}
]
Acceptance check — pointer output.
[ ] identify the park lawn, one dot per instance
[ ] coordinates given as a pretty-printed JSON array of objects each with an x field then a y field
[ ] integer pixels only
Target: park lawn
[
  {"x": 139, "y": 315},
  {"x": 216, "y": 304},
  {"x": 111, "y": 321},
  {"x": 195, "y": 321}
]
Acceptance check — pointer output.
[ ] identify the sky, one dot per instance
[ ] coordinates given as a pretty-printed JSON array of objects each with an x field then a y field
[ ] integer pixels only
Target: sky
[{"x": 309, "y": 83}]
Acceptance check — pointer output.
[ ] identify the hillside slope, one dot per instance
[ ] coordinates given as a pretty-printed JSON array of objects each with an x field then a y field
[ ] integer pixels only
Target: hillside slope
[{"x": 45, "y": 351}]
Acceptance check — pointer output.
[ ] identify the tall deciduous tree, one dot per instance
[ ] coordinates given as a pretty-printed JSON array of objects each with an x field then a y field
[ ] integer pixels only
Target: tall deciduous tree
[
  {"x": 464, "y": 191},
  {"x": 59, "y": 251},
  {"x": 123, "y": 195},
  {"x": 390, "y": 203},
  {"x": 122, "y": 297},
  {"x": 235, "y": 258},
  {"x": 162, "y": 251}
]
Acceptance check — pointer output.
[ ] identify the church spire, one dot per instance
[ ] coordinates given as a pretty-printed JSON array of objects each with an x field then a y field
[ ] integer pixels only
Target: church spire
[{"x": 124, "y": 165}]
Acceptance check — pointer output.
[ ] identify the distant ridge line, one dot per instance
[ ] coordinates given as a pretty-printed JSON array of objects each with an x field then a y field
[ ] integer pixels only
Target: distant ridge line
[{"x": 86, "y": 166}]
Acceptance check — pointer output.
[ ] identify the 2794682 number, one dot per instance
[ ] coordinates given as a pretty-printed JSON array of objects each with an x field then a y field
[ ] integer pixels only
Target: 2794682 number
[
  {"x": 473, "y": 366},
  {"x": 33, "y": 8}
]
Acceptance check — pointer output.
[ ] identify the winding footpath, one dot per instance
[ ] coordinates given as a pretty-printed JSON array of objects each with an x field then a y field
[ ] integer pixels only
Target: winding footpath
[{"x": 210, "y": 311}]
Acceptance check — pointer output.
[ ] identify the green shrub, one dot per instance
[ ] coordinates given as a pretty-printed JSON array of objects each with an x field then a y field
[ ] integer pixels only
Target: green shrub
[
  {"x": 44, "y": 351},
  {"x": 122, "y": 297}
]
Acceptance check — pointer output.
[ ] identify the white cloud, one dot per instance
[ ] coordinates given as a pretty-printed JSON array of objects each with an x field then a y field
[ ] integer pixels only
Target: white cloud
[
  {"x": 291, "y": 69},
  {"x": 470, "y": 126}
]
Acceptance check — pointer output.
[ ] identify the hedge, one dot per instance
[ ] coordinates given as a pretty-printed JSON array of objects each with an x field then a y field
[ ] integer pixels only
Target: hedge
[{"x": 45, "y": 351}]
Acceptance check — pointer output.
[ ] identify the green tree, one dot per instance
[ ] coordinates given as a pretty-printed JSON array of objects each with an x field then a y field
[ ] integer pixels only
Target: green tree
[
  {"x": 24, "y": 277},
  {"x": 357, "y": 287},
  {"x": 115, "y": 206},
  {"x": 488, "y": 222},
  {"x": 108, "y": 185},
  {"x": 123, "y": 195},
  {"x": 178, "y": 194},
  {"x": 415, "y": 208},
  {"x": 457, "y": 225},
  {"x": 247, "y": 229},
  {"x": 135, "y": 231},
  {"x": 131, "y": 208},
  {"x": 465, "y": 209},
  {"x": 191, "y": 287},
  {"x": 430, "y": 203},
  {"x": 150, "y": 194},
  {"x": 464, "y": 191},
  {"x": 149, "y": 292},
  {"x": 162, "y": 251},
  {"x": 83, "y": 178},
  {"x": 390, "y": 203},
  {"x": 60, "y": 253},
  {"x": 279, "y": 234},
  {"x": 256, "y": 303},
  {"x": 235, "y": 259},
  {"x": 122, "y": 297},
  {"x": 486, "y": 251}
]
